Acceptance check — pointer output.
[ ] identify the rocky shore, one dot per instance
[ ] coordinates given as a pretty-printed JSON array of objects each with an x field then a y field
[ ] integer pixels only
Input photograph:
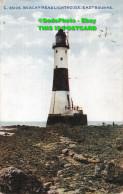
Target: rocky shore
[{"x": 61, "y": 160}]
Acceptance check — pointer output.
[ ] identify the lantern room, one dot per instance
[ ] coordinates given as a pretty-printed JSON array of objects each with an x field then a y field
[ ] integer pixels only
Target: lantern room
[{"x": 61, "y": 40}]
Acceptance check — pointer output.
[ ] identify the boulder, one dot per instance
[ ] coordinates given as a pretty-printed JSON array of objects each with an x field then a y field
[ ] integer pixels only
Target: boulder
[
  {"x": 13, "y": 180},
  {"x": 114, "y": 173}
]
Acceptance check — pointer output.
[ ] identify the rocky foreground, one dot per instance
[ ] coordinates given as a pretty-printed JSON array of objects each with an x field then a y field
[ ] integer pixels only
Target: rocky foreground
[{"x": 61, "y": 160}]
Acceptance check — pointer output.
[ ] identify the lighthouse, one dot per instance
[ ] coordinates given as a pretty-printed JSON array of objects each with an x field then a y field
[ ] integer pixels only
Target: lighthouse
[{"x": 62, "y": 109}]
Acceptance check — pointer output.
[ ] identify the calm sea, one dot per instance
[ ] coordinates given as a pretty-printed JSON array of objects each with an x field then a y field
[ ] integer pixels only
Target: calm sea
[{"x": 43, "y": 124}]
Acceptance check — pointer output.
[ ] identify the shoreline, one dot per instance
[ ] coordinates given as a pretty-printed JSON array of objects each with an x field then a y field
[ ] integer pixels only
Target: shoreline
[{"x": 75, "y": 159}]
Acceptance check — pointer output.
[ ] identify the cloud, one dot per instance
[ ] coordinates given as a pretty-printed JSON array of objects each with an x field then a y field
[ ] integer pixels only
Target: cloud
[
  {"x": 97, "y": 86},
  {"x": 21, "y": 39},
  {"x": 11, "y": 20},
  {"x": 35, "y": 42},
  {"x": 103, "y": 17},
  {"x": 8, "y": 18},
  {"x": 37, "y": 14},
  {"x": 19, "y": 36},
  {"x": 1, "y": 27},
  {"x": 62, "y": 16},
  {"x": 24, "y": 87},
  {"x": 85, "y": 13}
]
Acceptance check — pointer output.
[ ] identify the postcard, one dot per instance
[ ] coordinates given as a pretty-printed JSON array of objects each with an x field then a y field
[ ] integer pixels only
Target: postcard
[{"x": 61, "y": 91}]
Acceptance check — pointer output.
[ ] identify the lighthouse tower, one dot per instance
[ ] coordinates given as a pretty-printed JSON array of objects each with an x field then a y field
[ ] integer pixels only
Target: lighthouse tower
[{"x": 62, "y": 110}]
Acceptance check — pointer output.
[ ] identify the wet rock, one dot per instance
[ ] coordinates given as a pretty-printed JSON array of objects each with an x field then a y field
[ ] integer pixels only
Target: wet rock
[
  {"x": 96, "y": 158},
  {"x": 59, "y": 173},
  {"x": 90, "y": 189},
  {"x": 101, "y": 169},
  {"x": 114, "y": 173},
  {"x": 103, "y": 191},
  {"x": 97, "y": 171},
  {"x": 71, "y": 145},
  {"x": 47, "y": 185},
  {"x": 91, "y": 160},
  {"x": 80, "y": 158},
  {"x": 68, "y": 165},
  {"x": 71, "y": 153},
  {"x": 111, "y": 172},
  {"x": 61, "y": 157},
  {"x": 13, "y": 180},
  {"x": 65, "y": 151},
  {"x": 90, "y": 182},
  {"x": 119, "y": 144},
  {"x": 53, "y": 190},
  {"x": 65, "y": 140}
]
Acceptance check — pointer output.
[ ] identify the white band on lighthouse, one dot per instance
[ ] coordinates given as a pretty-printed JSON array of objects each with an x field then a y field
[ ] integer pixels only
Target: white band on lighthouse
[
  {"x": 60, "y": 57},
  {"x": 60, "y": 102}
]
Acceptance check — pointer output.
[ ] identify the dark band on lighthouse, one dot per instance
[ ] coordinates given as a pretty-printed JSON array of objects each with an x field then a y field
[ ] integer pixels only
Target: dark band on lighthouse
[{"x": 60, "y": 81}]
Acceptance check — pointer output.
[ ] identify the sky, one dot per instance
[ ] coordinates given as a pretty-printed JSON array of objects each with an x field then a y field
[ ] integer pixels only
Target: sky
[{"x": 26, "y": 60}]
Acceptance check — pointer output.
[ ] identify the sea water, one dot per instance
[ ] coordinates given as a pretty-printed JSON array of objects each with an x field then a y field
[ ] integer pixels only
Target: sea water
[{"x": 43, "y": 123}]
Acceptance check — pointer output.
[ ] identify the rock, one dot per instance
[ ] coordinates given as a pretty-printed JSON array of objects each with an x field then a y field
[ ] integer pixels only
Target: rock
[
  {"x": 97, "y": 171},
  {"x": 96, "y": 158},
  {"x": 67, "y": 165},
  {"x": 79, "y": 158},
  {"x": 59, "y": 173},
  {"x": 61, "y": 157},
  {"x": 119, "y": 144},
  {"x": 93, "y": 160},
  {"x": 114, "y": 173},
  {"x": 65, "y": 151},
  {"x": 53, "y": 190},
  {"x": 90, "y": 182},
  {"x": 90, "y": 189},
  {"x": 13, "y": 180},
  {"x": 111, "y": 172},
  {"x": 47, "y": 185},
  {"x": 71, "y": 145},
  {"x": 101, "y": 169},
  {"x": 71, "y": 153},
  {"x": 103, "y": 190}
]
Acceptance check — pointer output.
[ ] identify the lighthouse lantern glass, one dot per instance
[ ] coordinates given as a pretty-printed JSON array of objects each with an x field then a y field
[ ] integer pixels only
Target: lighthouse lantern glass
[{"x": 60, "y": 39}]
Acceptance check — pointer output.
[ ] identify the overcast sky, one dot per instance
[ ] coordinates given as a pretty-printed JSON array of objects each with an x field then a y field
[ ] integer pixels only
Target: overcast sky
[{"x": 95, "y": 61}]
